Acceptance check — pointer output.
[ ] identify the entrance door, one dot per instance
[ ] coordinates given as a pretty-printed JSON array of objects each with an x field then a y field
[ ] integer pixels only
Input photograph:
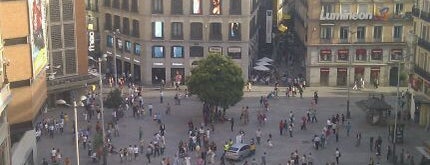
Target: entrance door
[
  {"x": 158, "y": 74},
  {"x": 177, "y": 75},
  {"x": 324, "y": 76},
  {"x": 393, "y": 76},
  {"x": 341, "y": 76},
  {"x": 136, "y": 75},
  {"x": 374, "y": 75},
  {"x": 358, "y": 73},
  {"x": 119, "y": 68}
]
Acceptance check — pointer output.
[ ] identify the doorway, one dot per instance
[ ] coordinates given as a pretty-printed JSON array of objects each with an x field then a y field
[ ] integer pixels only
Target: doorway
[
  {"x": 324, "y": 76},
  {"x": 393, "y": 76},
  {"x": 341, "y": 76},
  {"x": 177, "y": 75},
  {"x": 158, "y": 74}
]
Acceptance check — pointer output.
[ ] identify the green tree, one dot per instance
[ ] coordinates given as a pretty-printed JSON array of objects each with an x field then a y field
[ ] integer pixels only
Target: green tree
[
  {"x": 114, "y": 99},
  {"x": 217, "y": 81}
]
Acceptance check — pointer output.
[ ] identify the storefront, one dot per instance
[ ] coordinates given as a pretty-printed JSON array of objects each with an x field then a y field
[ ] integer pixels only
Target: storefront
[
  {"x": 341, "y": 76},
  {"x": 374, "y": 75},
  {"x": 324, "y": 76}
]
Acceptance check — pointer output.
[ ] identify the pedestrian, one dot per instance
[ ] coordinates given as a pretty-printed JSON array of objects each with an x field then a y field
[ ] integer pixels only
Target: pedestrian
[
  {"x": 371, "y": 143},
  {"x": 148, "y": 153},
  {"x": 150, "y": 108},
  {"x": 316, "y": 97},
  {"x": 231, "y": 124},
  {"x": 263, "y": 159},
  {"x": 310, "y": 159},
  {"x": 281, "y": 127},
  {"x": 338, "y": 155},
  {"x": 168, "y": 108},
  {"x": 337, "y": 136},
  {"x": 258, "y": 135},
  {"x": 388, "y": 152},
  {"x": 161, "y": 96},
  {"x": 348, "y": 128},
  {"x": 358, "y": 137},
  {"x": 290, "y": 129}
]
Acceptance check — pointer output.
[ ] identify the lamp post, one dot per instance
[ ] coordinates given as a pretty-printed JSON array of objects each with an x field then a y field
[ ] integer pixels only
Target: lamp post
[
  {"x": 75, "y": 111},
  {"x": 348, "y": 112},
  {"x": 99, "y": 62}
]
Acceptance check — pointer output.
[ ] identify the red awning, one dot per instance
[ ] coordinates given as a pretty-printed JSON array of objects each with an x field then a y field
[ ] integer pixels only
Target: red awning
[{"x": 326, "y": 51}]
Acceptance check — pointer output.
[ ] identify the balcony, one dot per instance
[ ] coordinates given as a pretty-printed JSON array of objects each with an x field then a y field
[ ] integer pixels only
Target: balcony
[
  {"x": 424, "y": 44},
  {"x": 5, "y": 96},
  {"x": 421, "y": 14},
  {"x": 421, "y": 72}
]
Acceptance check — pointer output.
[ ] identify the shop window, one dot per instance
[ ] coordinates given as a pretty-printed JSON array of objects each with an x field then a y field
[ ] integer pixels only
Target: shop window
[
  {"x": 325, "y": 55},
  {"x": 343, "y": 55},
  {"x": 234, "y": 52},
  {"x": 360, "y": 55},
  {"x": 376, "y": 54}
]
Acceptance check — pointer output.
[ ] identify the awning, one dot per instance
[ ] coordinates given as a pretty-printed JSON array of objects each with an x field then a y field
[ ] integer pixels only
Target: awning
[
  {"x": 262, "y": 63},
  {"x": 265, "y": 59},
  {"x": 423, "y": 152},
  {"x": 261, "y": 68}
]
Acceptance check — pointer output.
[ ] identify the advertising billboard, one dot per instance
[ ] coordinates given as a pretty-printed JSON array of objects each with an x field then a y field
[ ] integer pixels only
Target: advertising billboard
[{"x": 37, "y": 17}]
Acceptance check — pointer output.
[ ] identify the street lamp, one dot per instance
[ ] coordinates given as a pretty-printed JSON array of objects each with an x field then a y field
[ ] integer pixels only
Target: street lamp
[
  {"x": 348, "y": 112},
  {"x": 75, "y": 110},
  {"x": 115, "y": 72},
  {"x": 99, "y": 62}
]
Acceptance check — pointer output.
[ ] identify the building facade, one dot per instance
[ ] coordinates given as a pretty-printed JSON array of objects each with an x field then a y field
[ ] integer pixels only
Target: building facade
[
  {"x": 67, "y": 49},
  {"x": 420, "y": 80},
  {"x": 366, "y": 38},
  {"x": 25, "y": 50},
  {"x": 157, "y": 40},
  {"x": 5, "y": 98}
]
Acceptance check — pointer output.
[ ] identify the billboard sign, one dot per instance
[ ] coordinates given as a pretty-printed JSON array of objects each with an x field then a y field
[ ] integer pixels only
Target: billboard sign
[
  {"x": 38, "y": 42},
  {"x": 269, "y": 25}
]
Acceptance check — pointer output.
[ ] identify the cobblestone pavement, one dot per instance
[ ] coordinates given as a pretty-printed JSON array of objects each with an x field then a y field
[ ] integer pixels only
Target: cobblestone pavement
[{"x": 332, "y": 101}]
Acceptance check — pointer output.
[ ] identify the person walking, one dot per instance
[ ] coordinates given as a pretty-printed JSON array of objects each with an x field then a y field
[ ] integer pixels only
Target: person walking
[
  {"x": 310, "y": 159},
  {"x": 281, "y": 127},
  {"x": 263, "y": 159},
  {"x": 358, "y": 137},
  {"x": 338, "y": 155},
  {"x": 231, "y": 124},
  {"x": 161, "y": 96},
  {"x": 388, "y": 152}
]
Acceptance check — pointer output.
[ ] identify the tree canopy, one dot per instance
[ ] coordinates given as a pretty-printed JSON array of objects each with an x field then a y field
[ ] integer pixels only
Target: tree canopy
[
  {"x": 114, "y": 99},
  {"x": 217, "y": 80}
]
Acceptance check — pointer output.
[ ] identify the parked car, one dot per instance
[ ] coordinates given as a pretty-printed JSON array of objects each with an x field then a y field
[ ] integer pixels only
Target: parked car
[{"x": 238, "y": 151}]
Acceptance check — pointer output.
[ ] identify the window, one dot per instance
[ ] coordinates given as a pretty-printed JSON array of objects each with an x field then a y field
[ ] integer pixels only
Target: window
[
  {"x": 377, "y": 32},
  {"x": 234, "y": 52},
  {"x": 398, "y": 30},
  {"x": 116, "y": 4},
  {"x": 215, "y": 7},
  {"x": 119, "y": 45},
  {"x": 345, "y": 8},
  {"x": 125, "y": 5},
  {"x": 325, "y": 55},
  {"x": 361, "y": 33},
  {"x": 127, "y": 46},
  {"x": 215, "y": 32},
  {"x": 158, "y": 52},
  {"x": 196, "y": 7},
  {"x": 343, "y": 55},
  {"x": 363, "y": 8},
  {"x": 116, "y": 22},
  {"x": 234, "y": 32},
  {"x": 125, "y": 26},
  {"x": 157, "y": 6},
  {"x": 344, "y": 30},
  {"x": 137, "y": 49},
  {"x": 327, "y": 8},
  {"x": 177, "y": 52},
  {"x": 107, "y": 3},
  {"x": 326, "y": 32},
  {"x": 396, "y": 54},
  {"x": 109, "y": 41},
  {"x": 157, "y": 30},
  {"x": 134, "y": 5},
  {"x": 136, "y": 31},
  {"x": 176, "y": 7},
  {"x": 196, "y": 51},
  {"x": 177, "y": 33},
  {"x": 361, "y": 55},
  {"x": 108, "y": 22},
  {"x": 398, "y": 9},
  {"x": 376, "y": 54},
  {"x": 235, "y": 7},
  {"x": 196, "y": 31}
]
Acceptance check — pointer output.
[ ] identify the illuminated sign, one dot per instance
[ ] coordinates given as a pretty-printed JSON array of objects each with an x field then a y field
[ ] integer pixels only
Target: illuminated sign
[
  {"x": 345, "y": 16},
  {"x": 91, "y": 46}
]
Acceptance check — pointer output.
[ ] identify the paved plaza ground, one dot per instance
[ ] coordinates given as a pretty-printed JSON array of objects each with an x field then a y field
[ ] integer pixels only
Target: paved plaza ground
[{"x": 332, "y": 101}]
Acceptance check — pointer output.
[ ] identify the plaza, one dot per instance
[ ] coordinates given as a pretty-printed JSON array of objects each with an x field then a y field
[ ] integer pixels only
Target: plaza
[{"x": 331, "y": 101}]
